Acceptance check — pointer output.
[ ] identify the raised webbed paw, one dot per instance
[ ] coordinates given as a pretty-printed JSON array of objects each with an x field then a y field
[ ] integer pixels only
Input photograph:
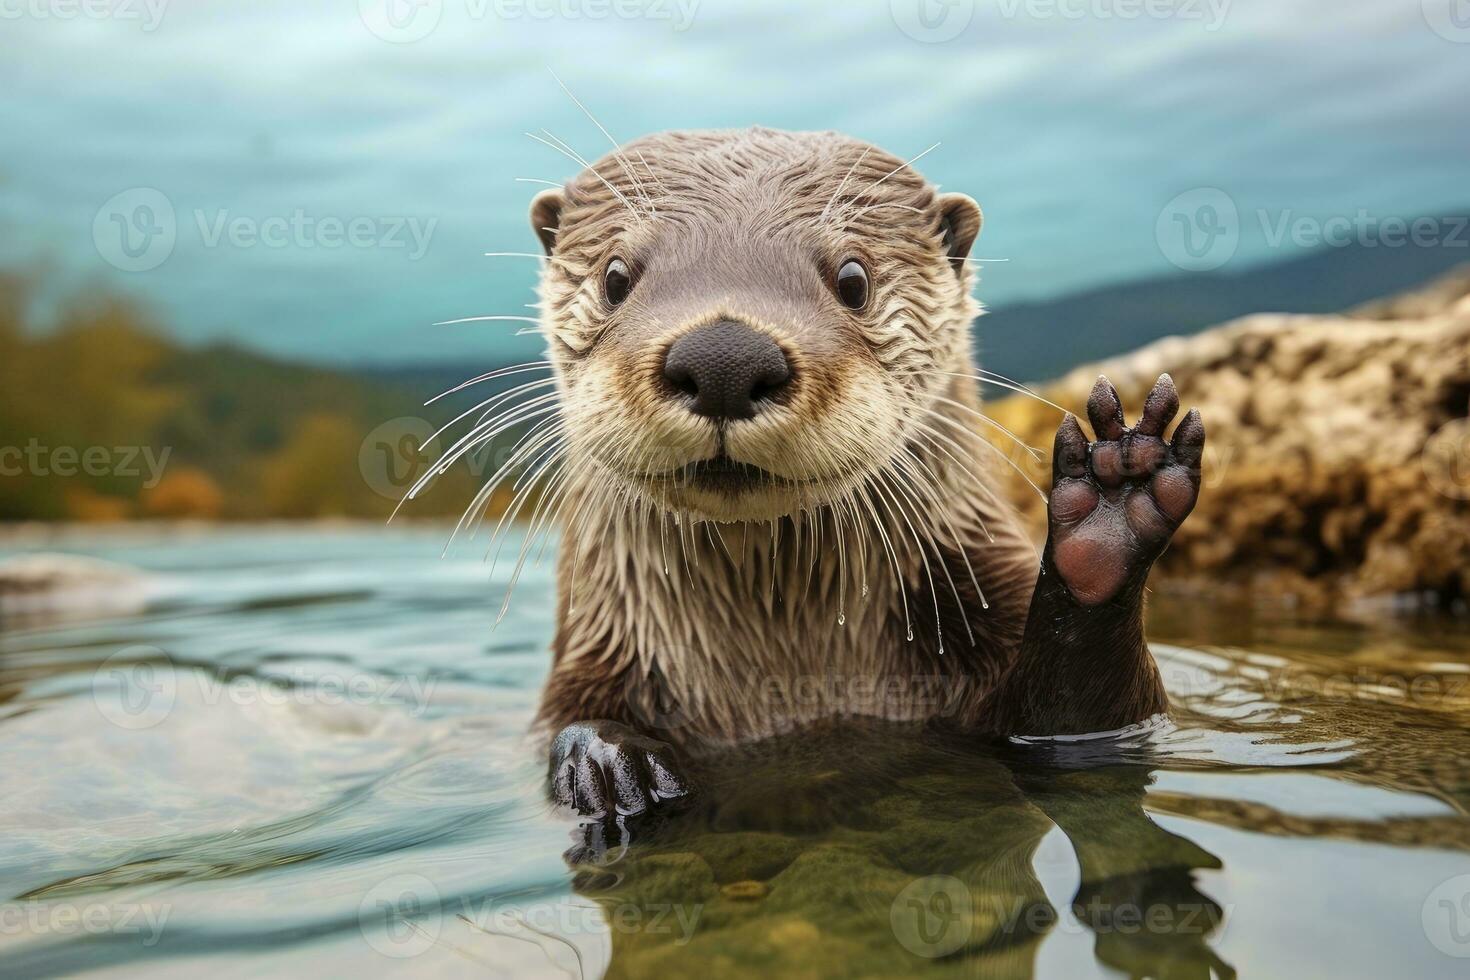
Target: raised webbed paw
[{"x": 1116, "y": 502}]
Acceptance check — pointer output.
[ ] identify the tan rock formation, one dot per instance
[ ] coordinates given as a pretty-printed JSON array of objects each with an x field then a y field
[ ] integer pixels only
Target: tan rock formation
[{"x": 1338, "y": 462}]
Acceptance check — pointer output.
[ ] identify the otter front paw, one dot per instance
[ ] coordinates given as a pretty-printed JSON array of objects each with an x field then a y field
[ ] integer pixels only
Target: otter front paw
[
  {"x": 604, "y": 769},
  {"x": 1116, "y": 502}
]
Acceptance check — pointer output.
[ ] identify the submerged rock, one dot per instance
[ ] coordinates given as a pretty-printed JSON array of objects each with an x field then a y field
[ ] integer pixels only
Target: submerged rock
[
  {"x": 1338, "y": 459},
  {"x": 43, "y": 586}
]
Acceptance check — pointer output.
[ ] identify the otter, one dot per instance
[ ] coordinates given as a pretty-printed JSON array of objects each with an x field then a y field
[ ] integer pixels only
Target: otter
[{"x": 777, "y": 502}]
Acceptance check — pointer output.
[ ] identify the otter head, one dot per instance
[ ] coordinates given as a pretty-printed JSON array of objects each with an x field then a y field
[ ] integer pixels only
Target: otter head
[{"x": 749, "y": 324}]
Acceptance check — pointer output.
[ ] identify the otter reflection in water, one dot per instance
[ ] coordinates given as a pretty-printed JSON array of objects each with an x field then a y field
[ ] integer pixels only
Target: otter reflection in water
[{"x": 829, "y": 854}]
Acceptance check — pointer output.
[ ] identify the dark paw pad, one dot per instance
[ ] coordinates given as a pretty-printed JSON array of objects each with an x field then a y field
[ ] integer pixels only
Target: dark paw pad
[
  {"x": 604, "y": 769},
  {"x": 1116, "y": 502}
]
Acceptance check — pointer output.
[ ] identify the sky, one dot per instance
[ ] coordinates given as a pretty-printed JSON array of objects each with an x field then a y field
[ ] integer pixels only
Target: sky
[{"x": 320, "y": 179}]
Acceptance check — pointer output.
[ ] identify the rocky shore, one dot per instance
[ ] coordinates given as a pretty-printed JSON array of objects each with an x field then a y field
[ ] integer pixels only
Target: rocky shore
[{"x": 1338, "y": 463}]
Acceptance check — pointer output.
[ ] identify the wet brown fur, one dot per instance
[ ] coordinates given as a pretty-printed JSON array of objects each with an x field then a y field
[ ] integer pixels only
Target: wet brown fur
[{"x": 709, "y": 622}]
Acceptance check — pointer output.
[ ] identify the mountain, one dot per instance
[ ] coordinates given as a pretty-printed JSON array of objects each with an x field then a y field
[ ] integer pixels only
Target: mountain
[{"x": 1038, "y": 341}]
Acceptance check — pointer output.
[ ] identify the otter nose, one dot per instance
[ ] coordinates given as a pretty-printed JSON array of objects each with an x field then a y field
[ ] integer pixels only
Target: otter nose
[{"x": 728, "y": 368}]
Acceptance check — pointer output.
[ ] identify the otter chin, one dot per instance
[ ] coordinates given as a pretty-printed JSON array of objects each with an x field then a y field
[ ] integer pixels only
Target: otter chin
[{"x": 776, "y": 469}]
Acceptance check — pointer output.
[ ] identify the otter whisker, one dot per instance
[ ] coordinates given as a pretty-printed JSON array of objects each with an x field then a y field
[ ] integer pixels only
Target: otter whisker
[
  {"x": 480, "y": 507},
  {"x": 617, "y": 148},
  {"x": 1034, "y": 453},
  {"x": 517, "y": 502},
  {"x": 1008, "y": 384},
  {"x": 538, "y": 436},
  {"x": 576, "y": 157},
  {"x": 919, "y": 482},
  {"x": 488, "y": 404},
  {"x": 530, "y": 444},
  {"x": 892, "y": 559},
  {"x": 932, "y": 486},
  {"x": 989, "y": 445},
  {"x": 486, "y": 430},
  {"x": 843, "y": 183},
  {"x": 500, "y": 373},
  {"x": 933, "y": 436},
  {"x": 887, "y": 204},
  {"x": 881, "y": 484},
  {"x": 477, "y": 436},
  {"x": 548, "y": 509},
  {"x": 907, "y": 163},
  {"x": 547, "y": 458},
  {"x": 552, "y": 520},
  {"x": 483, "y": 319},
  {"x": 653, "y": 173},
  {"x": 510, "y": 514}
]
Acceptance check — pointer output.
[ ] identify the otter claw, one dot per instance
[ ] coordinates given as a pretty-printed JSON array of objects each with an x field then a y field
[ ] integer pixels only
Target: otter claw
[{"x": 604, "y": 769}]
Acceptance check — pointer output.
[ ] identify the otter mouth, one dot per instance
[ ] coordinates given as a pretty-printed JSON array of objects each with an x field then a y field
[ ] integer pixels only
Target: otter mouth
[
  {"x": 725, "y": 475},
  {"x": 721, "y": 474}
]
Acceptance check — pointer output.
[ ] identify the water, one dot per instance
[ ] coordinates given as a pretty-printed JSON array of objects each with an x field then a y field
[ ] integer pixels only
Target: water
[{"x": 301, "y": 754}]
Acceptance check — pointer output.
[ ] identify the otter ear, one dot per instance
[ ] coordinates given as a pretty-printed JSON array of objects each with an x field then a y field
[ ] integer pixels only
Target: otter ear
[
  {"x": 546, "y": 216},
  {"x": 959, "y": 223}
]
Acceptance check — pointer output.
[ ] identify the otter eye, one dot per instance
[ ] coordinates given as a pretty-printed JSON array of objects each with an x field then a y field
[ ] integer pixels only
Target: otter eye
[
  {"x": 852, "y": 284},
  {"x": 616, "y": 282}
]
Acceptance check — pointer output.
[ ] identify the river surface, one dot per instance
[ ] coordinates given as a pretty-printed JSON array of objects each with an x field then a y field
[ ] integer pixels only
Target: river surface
[{"x": 298, "y": 752}]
